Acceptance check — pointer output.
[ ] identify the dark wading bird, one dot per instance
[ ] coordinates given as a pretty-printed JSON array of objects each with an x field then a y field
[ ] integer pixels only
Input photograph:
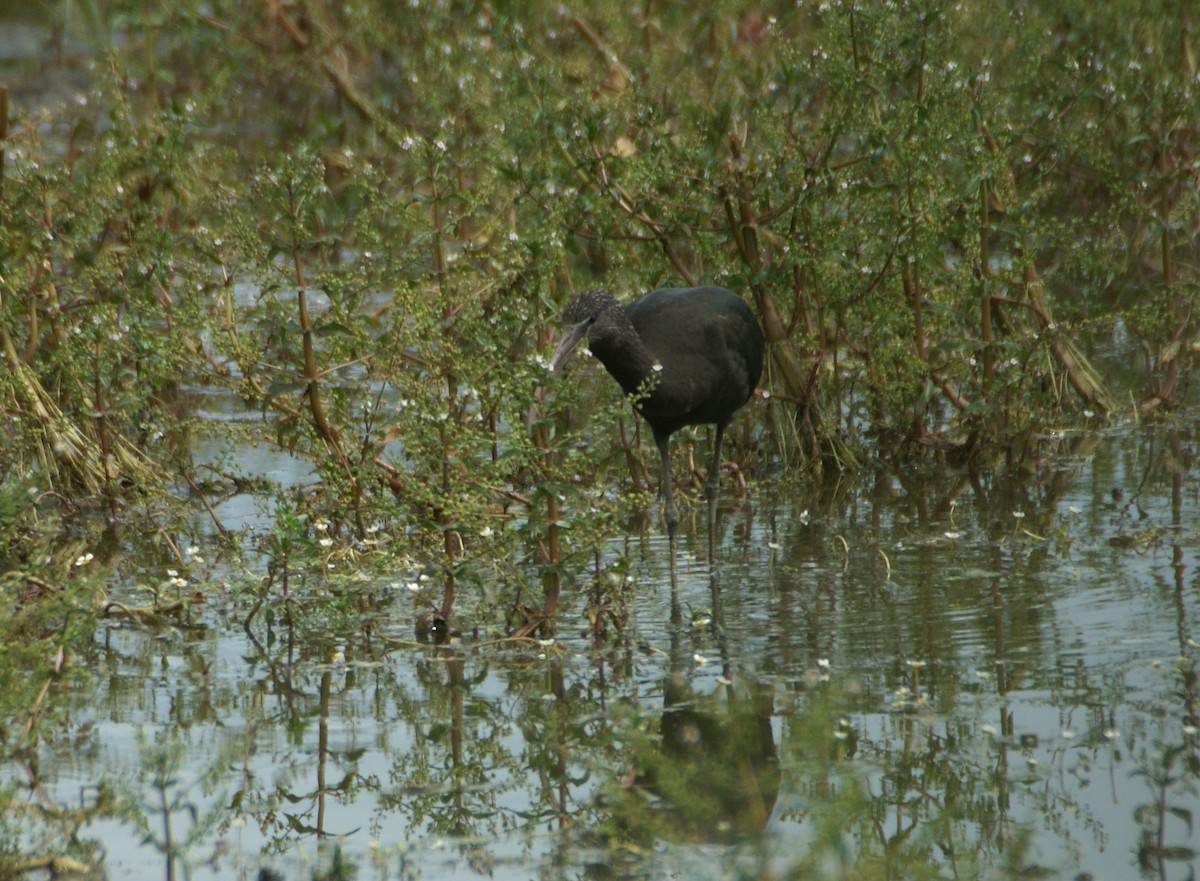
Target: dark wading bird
[{"x": 688, "y": 356}]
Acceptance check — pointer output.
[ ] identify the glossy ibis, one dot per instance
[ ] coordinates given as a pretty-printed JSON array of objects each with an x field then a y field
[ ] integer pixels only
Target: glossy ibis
[{"x": 688, "y": 356}]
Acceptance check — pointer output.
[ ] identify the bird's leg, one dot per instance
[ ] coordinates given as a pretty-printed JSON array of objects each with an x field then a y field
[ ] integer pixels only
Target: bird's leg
[
  {"x": 712, "y": 485},
  {"x": 713, "y": 481},
  {"x": 663, "y": 441}
]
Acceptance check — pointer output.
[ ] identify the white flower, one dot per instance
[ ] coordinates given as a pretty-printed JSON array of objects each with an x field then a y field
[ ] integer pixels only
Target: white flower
[
  {"x": 84, "y": 559},
  {"x": 326, "y": 542}
]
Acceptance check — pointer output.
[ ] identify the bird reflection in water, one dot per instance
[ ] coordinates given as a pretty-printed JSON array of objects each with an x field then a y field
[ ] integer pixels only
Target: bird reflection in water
[{"x": 713, "y": 773}]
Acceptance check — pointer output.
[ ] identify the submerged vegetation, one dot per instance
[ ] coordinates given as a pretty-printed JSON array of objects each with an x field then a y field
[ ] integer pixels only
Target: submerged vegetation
[{"x": 962, "y": 226}]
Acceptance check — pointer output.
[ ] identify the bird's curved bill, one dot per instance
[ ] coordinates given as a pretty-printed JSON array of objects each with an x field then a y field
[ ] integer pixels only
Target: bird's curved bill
[{"x": 571, "y": 337}]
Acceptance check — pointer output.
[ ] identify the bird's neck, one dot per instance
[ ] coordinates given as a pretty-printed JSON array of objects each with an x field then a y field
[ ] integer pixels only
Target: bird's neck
[{"x": 622, "y": 352}]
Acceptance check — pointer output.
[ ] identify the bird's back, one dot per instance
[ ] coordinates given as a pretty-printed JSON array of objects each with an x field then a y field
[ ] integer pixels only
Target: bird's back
[{"x": 710, "y": 347}]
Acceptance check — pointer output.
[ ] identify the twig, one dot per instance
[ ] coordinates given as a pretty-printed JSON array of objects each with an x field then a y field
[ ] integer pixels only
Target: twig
[
  {"x": 3, "y": 130},
  {"x": 298, "y": 36},
  {"x": 33, "y": 711}
]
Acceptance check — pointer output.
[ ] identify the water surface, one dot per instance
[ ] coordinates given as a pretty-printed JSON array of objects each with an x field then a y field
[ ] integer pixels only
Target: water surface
[{"x": 932, "y": 675}]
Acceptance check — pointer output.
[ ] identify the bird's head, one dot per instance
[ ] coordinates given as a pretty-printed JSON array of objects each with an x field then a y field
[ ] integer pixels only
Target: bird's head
[{"x": 579, "y": 316}]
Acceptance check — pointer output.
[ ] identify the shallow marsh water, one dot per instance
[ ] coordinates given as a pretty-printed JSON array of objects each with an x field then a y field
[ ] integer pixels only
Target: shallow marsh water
[{"x": 926, "y": 677}]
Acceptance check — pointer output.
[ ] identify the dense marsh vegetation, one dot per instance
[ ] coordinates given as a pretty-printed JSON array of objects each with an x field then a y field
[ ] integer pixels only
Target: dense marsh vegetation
[
  {"x": 363, "y": 220},
  {"x": 963, "y": 227}
]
